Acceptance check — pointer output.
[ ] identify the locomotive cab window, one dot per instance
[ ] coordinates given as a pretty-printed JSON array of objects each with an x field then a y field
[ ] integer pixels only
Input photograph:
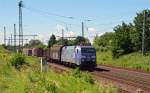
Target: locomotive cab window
[{"x": 87, "y": 50}]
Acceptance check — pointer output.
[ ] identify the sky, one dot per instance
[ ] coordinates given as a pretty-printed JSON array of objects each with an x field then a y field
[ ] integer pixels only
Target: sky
[{"x": 46, "y": 17}]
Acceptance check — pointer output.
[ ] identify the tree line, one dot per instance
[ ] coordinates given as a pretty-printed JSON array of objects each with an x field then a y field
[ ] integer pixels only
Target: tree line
[
  {"x": 79, "y": 40},
  {"x": 126, "y": 37}
]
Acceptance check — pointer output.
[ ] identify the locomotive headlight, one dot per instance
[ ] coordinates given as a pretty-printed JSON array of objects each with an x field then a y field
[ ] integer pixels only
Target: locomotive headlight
[
  {"x": 93, "y": 56},
  {"x": 93, "y": 60}
]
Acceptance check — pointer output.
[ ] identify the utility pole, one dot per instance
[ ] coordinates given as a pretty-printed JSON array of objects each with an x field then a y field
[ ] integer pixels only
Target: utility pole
[
  {"x": 143, "y": 34},
  {"x": 5, "y": 35},
  {"x": 15, "y": 37},
  {"x": 82, "y": 29},
  {"x": 62, "y": 35},
  {"x": 20, "y": 26},
  {"x": 11, "y": 45}
]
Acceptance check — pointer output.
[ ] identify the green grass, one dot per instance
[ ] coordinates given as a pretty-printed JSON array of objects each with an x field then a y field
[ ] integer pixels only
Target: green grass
[
  {"x": 30, "y": 80},
  {"x": 132, "y": 60}
]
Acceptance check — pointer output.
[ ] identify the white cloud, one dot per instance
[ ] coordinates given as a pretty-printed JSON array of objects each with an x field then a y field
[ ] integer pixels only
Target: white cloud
[
  {"x": 44, "y": 37},
  {"x": 91, "y": 29},
  {"x": 70, "y": 34}
]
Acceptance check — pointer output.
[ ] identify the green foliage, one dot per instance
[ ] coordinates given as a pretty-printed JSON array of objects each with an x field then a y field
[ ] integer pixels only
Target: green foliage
[
  {"x": 71, "y": 42},
  {"x": 3, "y": 49},
  {"x": 133, "y": 60},
  {"x": 126, "y": 38},
  {"x": 78, "y": 41},
  {"x": 45, "y": 85},
  {"x": 17, "y": 60},
  {"x": 52, "y": 40},
  {"x": 122, "y": 41},
  {"x": 81, "y": 40},
  {"x": 29, "y": 79},
  {"x": 62, "y": 42},
  {"x": 104, "y": 42},
  {"x": 35, "y": 44},
  {"x": 4, "y": 46},
  {"x": 76, "y": 73},
  {"x": 138, "y": 21},
  {"x": 88, "y": 78}
]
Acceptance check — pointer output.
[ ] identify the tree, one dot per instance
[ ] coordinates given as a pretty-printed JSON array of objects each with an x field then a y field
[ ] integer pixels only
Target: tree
[
  {"x": 52, "y": 40},
  {"x": 135, "y": 38},
  {"x": 62, "y": 42},
  {"x": 71, "y": 42},
  {"x": 122, "y": 43},
  {"x": 34, "y": 44},
  {"x": 138, "y": 21},
  {"x": 104, "y": 42},
  {"x": 127, "y": 37},
  {"x": 78, "y": 41},
  {"x": 81, "y": 41}
]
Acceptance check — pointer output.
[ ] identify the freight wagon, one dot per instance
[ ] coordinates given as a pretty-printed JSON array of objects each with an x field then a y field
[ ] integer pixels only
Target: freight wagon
[
  {"x": 27, "y": 51},
  {"x": 37, "y": 52},
  {"x": 46, "y": 54},
  {"x": 55, "y": 53},
  {"x": 33, "y": 52}
]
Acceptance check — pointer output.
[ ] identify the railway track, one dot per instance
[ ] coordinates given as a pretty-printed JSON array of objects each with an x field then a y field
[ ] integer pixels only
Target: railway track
[
  {"x": 132, "y": 79},
  {"x": 125, "y": 80}
]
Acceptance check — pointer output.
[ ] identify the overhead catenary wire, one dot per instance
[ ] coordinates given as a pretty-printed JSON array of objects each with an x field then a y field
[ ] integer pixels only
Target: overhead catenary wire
[
  {"x": 48, "y": 14},
  {"x": 44, "y": 13}
]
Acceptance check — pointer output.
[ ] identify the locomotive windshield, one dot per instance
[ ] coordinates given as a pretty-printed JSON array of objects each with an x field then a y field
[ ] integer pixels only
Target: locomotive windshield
[{"x": 87, "y": 50}]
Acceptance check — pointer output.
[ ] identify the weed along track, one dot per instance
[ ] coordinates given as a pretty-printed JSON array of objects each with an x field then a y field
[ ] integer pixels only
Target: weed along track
[{"x": 125, "y": 80}]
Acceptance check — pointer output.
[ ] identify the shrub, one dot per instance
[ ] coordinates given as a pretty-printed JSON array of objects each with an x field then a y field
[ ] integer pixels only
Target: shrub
[
  {"x": 76, "y": 73},
  {"x": 88, "y": 78},
  {"x": 17, "y": 60}
]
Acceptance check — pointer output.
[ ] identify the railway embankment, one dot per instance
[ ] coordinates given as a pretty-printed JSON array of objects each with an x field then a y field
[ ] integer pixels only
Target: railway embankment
[
  {"x": 133, "y": 61},
  {"x": 29, "y": 79}
]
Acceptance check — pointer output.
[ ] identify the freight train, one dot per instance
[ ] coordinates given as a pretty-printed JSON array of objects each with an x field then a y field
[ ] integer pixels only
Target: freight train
[{"x": 82, "y": 56}]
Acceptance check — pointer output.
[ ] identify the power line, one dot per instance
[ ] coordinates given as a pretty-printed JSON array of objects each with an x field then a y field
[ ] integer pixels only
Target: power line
[
  {"x": 43, "y": 13},
  {"x": 48, "y": 13},
  {"x": 62, "y": 16},
  {"x": 111, "y": 23},
  {"x": 58, "y": 15}
]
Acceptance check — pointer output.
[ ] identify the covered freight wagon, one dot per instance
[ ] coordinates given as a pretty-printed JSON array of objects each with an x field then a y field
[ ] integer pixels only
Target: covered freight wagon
[
  {"x": 47, "y": 54},
  {"x": 55, "y": 53},
  {"x": 27, "y": 51},
  {"x": 37, "y": 52}
]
